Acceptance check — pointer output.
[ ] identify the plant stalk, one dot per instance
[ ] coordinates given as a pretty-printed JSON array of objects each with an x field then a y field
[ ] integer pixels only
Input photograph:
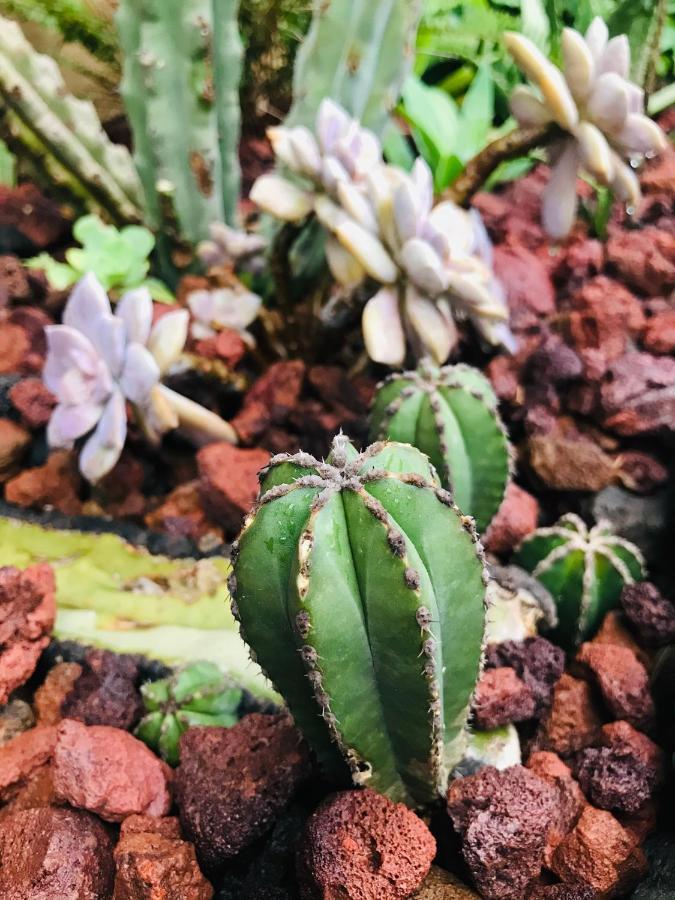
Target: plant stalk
[{"x": 203, "y": 424}]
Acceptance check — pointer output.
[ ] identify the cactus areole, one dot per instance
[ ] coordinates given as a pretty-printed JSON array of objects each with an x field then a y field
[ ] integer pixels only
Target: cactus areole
[{"x": 360, "y": 587}]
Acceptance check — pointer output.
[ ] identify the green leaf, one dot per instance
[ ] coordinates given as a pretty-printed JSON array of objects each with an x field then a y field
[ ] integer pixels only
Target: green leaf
[
  {"x": 510, "y": 170},
  {"x": 140, "y": 240},
  {"x": 158, "y": 290},
  {"x": 535, "y": 23},
  {"x": 661, "y": 99},
  {"x": 90, "y": 230},
  {"x": 476, "y": 114},
  {"x": 59, "y": 275},
  {"x": 431, "y": 112},
  {"x": 449, "y": 169},
  {"x": 396, "y": 148},
  {"x": 7, "y": 166},
  {"x": 636, "y": 19}
]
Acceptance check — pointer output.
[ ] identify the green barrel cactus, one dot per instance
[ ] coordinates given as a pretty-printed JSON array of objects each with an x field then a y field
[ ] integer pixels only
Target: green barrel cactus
[
  {"x": 360, "y": 588},
  {"x": 197, "y": 694},
  {"x": 451, "y": 415},
  {"x": 585, "y": 569}
]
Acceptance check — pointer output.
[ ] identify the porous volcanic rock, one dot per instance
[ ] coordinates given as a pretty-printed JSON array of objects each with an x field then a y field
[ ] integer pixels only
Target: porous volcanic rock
[
  {"x": 622, "y": 679},
  {"x": 33, "y": 400},
  {"x": 182, "y": 514},
  {"x": 570, "y": 802},
  {"x": 515, "y": 519},
  {"x": 49, "y": 853},
  {"x": 109, "y": 772},
  {"x": 14, "y": 439},
  {"x": 358, "y": 845},
  {"x": 233, "y": 782},
  {"x": 26, "y": 771},
  {"x": 441, "y": 885},
  {"x": 501, "y": 697},
  {"x": 573, "y": 721},
  {"x": 229, "y": 481},
  {"x": 537, "y": 661},
  {"x": 52, "y": 692},
  {"x": 153, "y": 863},
  {"x": 105, "y": 693},
  {"x": 56, "y": 484},
  {"x": 270, "y": 400},
  {"x": 27, "y": 613},
  {"x": 650, "y": 613},
  {"x": 644, "y": 257}
]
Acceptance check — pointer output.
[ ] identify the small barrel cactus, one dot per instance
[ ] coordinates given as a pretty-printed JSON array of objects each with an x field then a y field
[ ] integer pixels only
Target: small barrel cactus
[
  {"x": 197, "y": 694},
  {"x": 451, "y": 415},
  {"x": 360, "y": 588},
  {"x": 584, "y": 568}
]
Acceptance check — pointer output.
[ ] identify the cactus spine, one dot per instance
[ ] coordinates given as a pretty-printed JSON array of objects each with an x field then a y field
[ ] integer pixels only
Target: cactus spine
[
  {"x": 451, "y": 415},
  {"x": 358, "y": 53},
  {"x": 360, "y": 588},
  {"x": 64, "y": 130},
  {"x": 182, "y": 67},
  {"x": 585, "y": 569}
]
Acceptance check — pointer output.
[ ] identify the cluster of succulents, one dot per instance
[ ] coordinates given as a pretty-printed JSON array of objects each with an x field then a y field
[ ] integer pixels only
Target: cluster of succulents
[
  {"x": 98, "y": 361},
  {"x": 599, "y": 110},
  {"x": 360, "y": 588},
  {"x": 433, "y": 263},
  {"x": 217, "y": 308},
  {"x": 585, "y": 569},
  {"x": 196, "y": 694},
  {"x": 451, "y": 415}
]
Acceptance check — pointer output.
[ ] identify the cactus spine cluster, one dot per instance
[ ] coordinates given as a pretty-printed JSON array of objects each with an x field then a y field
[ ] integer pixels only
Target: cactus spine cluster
[
  {"x": 182, "y": 66},
  {"x": 63, "y": 131},
  {"x": 358, "y": 53},
  {"x": 360, "y": 588},
  {"x": 451, "y": 415},
  {"x": 585, "y": 569}
]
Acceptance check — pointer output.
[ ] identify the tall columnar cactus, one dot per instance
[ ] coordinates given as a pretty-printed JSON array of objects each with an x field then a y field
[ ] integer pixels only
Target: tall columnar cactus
[
  {"x": 182, "y": 66},
  {"x": 358, "y": 52},
  {"x": 584, "y": 568},
  {"x": 64, "y": 130},
  {"x": 360, "y": 588},
  {"x": 451, "y": 415}
]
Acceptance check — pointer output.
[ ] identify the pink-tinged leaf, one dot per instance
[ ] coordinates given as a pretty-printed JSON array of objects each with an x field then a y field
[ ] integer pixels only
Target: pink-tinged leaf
[
  {"x": 109, "y": 339},
  {"x": 608, "y": 103},
  {"x": 559, "y": 202},
  {"x": 527, "y": 107},
  {"x": 423, "y": 266},
  {"x": 616, "y": 57},
  {"x": 333, "y": 173},
  {"x": 73, "y": 370},
  {"x": 167, "y": 338},
  {"x": 331, "y": 122},
  {"x": 135, "y": 310},
  {"x": 579, "y": 65},
  {"x": 423, "y": 180},
  {"x": 454, "y": 224},
  {"x": 640, "y": 135},
  {"x": 407, "y": 211},
  {"x": 345, "y": 269},
  {"x": 68, "y": 423},
  {"x": 87, "y": 303},
  {"x": 636, "y": 98},
  {"x": 104, "y": 447},
  {"x": 596, "y": 37},
  {"x": 625, "y": 185},
  {"x": 140, "y": 374},
  {"x": 382, "y": 328},
  {"x": 596, "y": 155},
  {"x": 430, "y": 327},
  {"x": 546, "y": 76},
  {"x": 306, "y": 151}
]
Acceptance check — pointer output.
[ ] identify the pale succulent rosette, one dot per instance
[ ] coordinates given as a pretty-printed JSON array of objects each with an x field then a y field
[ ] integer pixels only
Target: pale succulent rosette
[
  {"x": 99, "y": 361},
  {"x": 434, "y": 263},
  {"x": 602, "y": 112},
  {"x": 216, "y": 309},
  {"x": 229, "y": 247}
]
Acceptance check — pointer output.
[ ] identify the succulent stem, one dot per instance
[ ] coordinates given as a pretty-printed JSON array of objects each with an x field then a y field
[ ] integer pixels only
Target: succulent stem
[{"x": 201, "y": 423}]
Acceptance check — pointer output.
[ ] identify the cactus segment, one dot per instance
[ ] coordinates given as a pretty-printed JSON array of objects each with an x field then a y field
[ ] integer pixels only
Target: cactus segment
[
  {"x": 451, "y": 415},
  {"x": 182, "y": 65},
  {"x": 66, "y": 130},
  {"x": 359, "y": 586},
  {"x": 358, "y": 53},
  {"x": 584, "y": 569}
]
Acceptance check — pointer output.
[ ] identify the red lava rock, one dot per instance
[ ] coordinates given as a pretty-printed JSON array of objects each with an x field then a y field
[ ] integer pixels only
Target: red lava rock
[
  {"x": 229, "y": 481},
  {"x": 554, "y": 361},
  {"x": 613, "y": 631},
  {"x": 515, "y": 519},
  {"x": 504, "y": 374},
  {"x": 601, "y": 854},
  {"x": 27, "y": 613},
  {"x": 105, "y": 693},
  {"x": 569, "y": 891},
  {"x": 47, "y": 854},
  {"x": 650, "y": 614},
  {"x": 538, "y": 662},
  {"x": 336, "y": 389},
  {"x": 270, "y": 399},
  {"x": 570, "y": 462},
  {"x": 527, "y": 284},
  {"x": 659, "y": 333},
  {"x": 504, "y": 820},
  {"x": 514, "y": 214},
  {"x": 638, "y": 394},
  {"x": 604, "y": 313},
  {"x": 227, "y": 346},
  {"x": 153, "y": 863},
  {"x": 581, "y": 260},
  {"x": 13, "y": 442},
  {"x": 182, "y": 515},
  {"x": 573, "y": 722},
  {"x": 23, "y": 756},
  {"x": 56, "y": 484},
  {"x": 14, "y": 348},
  {"x": 641, "y": 472},
  {"x": 501, "y": 697},
  {"x": 571, "y": 800},
  {"x": 14, "y": 282},
  {"x": 26, "y": 211},
  {"x": 33, "y": 321},
  {"x": 645, "y": 258},
  {"x": 52, "y": 692},
  {"x": 612, "y": 779},
  {"x": 109, "y": 772},
  {"x": 33, "y": 400},
  {"x": 622, "y": 679},
  {"x": 360, "y": 846},
  {"x": 232, "y": 783}
]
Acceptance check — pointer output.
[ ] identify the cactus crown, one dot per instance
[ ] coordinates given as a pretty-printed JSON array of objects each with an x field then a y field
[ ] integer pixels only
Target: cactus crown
[
  {"x": 451, "y": 415},
  {"x": 584, "y": 568},
  {"x": 360, "y": 588}
]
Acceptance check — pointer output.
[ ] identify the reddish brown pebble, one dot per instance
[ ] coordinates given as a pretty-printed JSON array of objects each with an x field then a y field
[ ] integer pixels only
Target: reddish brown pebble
[
  {"x": 33, "y": 400},
  {"x": 504, "y": 820},
  {"x": 644, "y": 257},
  {"x": 27, "y": 613},
  {"x": 515, "y": 519},
  {"x": 14, "y": 348},
  {"x": 105, "y": 693},
  {"x": 13, "y": 442},
  {"x": 570, "y": 802},
  {"x": 23, "y": 756},
  {"x": 360, "y": 846},
  {"x": 637, "y": 394},
  {"x": 182, "y": 515},
  {"x": 109, "y": 772},
  {"x": 527, "y": 284},
  {"x": 601, "y": 854},
  {"x": 229, "y": 481},
  {"x": 538, "y": 662},
  {"x": 56, "y": 484},
  {"x": 501, "y": 697},
  {"x": 153, "y": 863},
  {"x": 561, "y": 892},
  {"x": 573, "y": 722},
  {"x": 622, "y": 679},
  {"x": 650, "y": 614},
  {"x": 52, "y": 692},
  {"x": 659, "y": 335},
  {"x": 232, "y": 783},
  {"x": 604, "y": 315},
  {"x": 55, "y": 854},
  {"x": 270, "y": 400},
  {"x": 614, "y": 631}
]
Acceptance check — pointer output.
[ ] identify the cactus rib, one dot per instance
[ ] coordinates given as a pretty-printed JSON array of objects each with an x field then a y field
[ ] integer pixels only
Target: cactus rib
[{"x": 369, "y": 627}]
